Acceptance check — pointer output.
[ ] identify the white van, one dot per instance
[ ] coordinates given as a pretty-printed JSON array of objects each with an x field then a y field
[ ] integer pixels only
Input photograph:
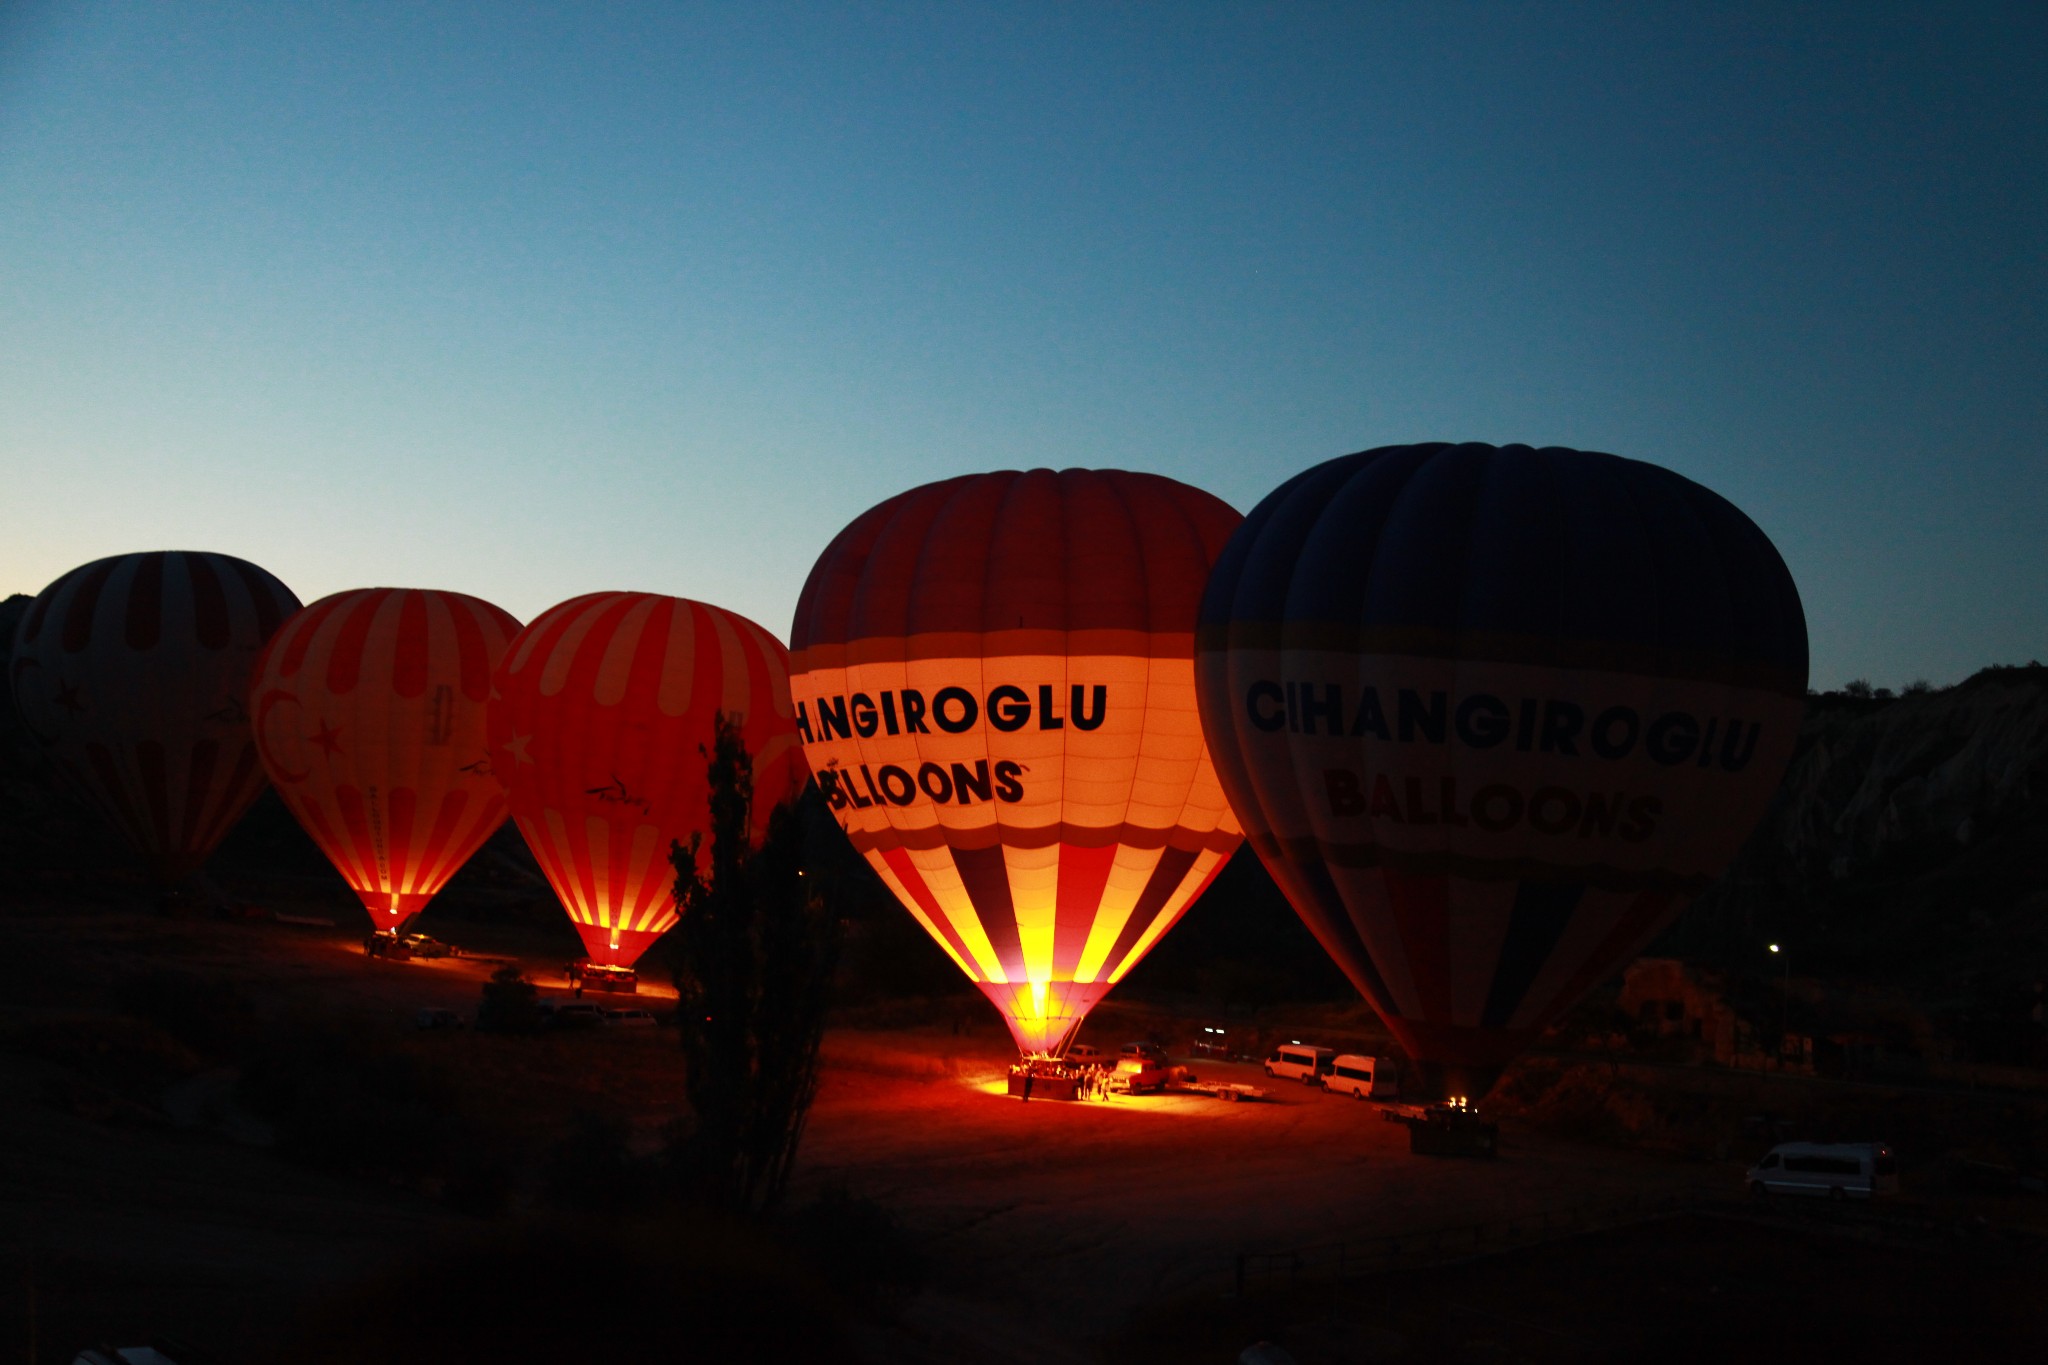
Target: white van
[
  {"x": 1363, "y": 1078},
  {"x": 1300, "y": 1062},
  {"x": 1835, "y": 1170}
]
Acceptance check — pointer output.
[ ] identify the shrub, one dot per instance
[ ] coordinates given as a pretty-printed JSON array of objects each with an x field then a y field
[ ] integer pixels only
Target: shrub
[{"x": 510, "y": 1003}]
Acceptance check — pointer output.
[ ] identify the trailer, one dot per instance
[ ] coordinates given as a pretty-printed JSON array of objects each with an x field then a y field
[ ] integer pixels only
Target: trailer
[
  {"x": 1446, "y": 1130},
  {"x": 595, "y": 976},
  {"x": 1228, "y": 1091}
]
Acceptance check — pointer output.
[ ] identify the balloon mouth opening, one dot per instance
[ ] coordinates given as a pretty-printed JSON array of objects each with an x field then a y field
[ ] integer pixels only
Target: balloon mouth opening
[
  {"x": 1043, "y": 1016},
  {"x": 1459, "y": 1084}
]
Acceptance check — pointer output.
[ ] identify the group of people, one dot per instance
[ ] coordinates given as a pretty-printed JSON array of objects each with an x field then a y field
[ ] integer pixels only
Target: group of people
[{"x": 1088, "y": 1082}]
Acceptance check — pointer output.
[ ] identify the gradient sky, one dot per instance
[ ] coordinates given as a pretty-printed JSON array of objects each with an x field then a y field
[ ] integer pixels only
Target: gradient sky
[{"x": 533, "y": 300}]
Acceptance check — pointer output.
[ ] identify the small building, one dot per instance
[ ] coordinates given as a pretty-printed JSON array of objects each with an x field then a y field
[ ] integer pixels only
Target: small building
[{"x": 1667, "y": 998}]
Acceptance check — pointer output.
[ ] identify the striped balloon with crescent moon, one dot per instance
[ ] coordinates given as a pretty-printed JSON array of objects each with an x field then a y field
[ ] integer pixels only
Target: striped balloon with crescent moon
[
  {"x": 134, "y": 672},
  {"x": 369, "y": 715},
  {"x": 602, "y": 717}
]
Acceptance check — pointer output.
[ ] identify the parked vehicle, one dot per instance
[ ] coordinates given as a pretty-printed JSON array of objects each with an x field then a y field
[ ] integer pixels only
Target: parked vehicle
[
  {"x": 1136, "y": 1074},
  {"x": 425, "y": 945},
  {"x": 628, "y": 1018},
  {"x": 1452, "y": 1130},
  {"x": 570, "y": 1014},
  {"x": 1363, "y": 1078},
  {"x": 1081, "y": 1054},
  {"x": 1300, "y": 1062},
  {"x": 156, "y": 1353},
  {"x": 435, "y": 1017},
  {"x": 1151, "y": 1053},
  {"x": 1831, "y": 1170}
]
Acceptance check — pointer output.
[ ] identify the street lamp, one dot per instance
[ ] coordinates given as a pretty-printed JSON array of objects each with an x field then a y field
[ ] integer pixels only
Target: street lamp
[{"x": 1784, "y": 1002}]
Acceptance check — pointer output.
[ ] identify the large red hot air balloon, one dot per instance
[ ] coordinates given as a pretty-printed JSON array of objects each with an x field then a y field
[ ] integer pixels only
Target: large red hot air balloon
[
  {"x": 134, "y": 672},
  {"x": 994, "y": 678},
  {"x": 601, "y": 723},
  {"x": 369, "y": 715},
  {"x": 1491, "y": 717}
]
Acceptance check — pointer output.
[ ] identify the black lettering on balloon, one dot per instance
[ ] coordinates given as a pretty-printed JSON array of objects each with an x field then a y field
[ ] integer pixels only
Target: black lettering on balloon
[
  {"x": 1346, "y": 793},
  {"x": 1739, "y": 746},
  {"x": 972, "y": 782},
  {"x": 1371, "y": 719},
  {"x": 1275, "y": 715},
  {"x": 1603, "y": 812},
  {"x": 1562, "y": 721},
  {"x": 1642, "y": 819},
  {"x": 1008, "y": 789},
  {"x": 935, "y": 781},
  {"x": 1482, "y": 720},
  {"x": 969, "y": 710},
  {"x": 1605, "y": 741},
  {"x": 1671, "y": 738},
  {"x": 1415, "y": 714},
  {"x": 1048, "y": 719},
  {"x": 1496, "y": 807},
  {"x": 1083, "y": 717},
  {"x": 1554, "y": 810},
  {"x": 897, "y": 785},
  {"x": 1330, "y": 708},
  {"x": 1008, "y": 708}
]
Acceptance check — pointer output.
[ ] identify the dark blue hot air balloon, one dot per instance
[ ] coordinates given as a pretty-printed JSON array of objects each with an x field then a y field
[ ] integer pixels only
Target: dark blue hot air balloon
[{"x": 1491, "y": 716}]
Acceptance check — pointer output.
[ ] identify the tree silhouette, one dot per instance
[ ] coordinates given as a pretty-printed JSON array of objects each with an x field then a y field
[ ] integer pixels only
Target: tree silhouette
[{"x": 752, "y": 956}]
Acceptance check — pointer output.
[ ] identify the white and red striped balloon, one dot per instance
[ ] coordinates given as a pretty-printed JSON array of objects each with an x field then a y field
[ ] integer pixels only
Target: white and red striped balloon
[
  {"x": 601, "y": 721},
  {"x": 369, "y": 712},
  {"x": 134, "y": 672}
]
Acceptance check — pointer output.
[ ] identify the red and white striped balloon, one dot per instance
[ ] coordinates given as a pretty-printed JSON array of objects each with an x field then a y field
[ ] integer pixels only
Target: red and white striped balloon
[
  {"x": 369, "y": 710},
  {"x": 134, "y": 672},
  {"x": 600, "y": 725}
]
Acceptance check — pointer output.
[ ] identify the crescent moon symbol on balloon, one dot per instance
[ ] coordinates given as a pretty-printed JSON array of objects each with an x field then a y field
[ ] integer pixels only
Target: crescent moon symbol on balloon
[{"x": 275, "y": 697}]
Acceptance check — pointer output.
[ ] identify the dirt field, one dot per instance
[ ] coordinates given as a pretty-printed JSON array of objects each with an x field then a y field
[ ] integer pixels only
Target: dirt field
[{"x": 136, "y": 1197}]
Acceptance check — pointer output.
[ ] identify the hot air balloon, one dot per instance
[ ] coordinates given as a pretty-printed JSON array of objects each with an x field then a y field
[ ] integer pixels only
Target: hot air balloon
[
  {"x": 134, "y": 672},
  {"x": 1491, "y": 716},
  {"x": 994, "y": 679},
  {"x": 601, "y": 720},
  {"x": 369, "y": 715}
]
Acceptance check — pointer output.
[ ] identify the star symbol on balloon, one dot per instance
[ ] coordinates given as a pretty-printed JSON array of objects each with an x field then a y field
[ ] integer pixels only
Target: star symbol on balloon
[
  {"x": 328, "y": 738},
  {"x": 517, "y": 746},
  {"x": 69, "y": 698}
]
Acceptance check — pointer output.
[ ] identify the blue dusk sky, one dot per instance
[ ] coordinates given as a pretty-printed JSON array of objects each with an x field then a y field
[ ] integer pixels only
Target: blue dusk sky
[{"x": 531, "y": 300}]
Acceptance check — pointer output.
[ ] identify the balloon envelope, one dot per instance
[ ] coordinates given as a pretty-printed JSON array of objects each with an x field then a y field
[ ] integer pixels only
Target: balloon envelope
[
  {"x": 1491, "y": 716},
  {"x": 134, "y": 672},
  {"x": 601, "y": 724},
  {"x": 369, "y": 715},
  {"x": 994, "y": 678}
]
